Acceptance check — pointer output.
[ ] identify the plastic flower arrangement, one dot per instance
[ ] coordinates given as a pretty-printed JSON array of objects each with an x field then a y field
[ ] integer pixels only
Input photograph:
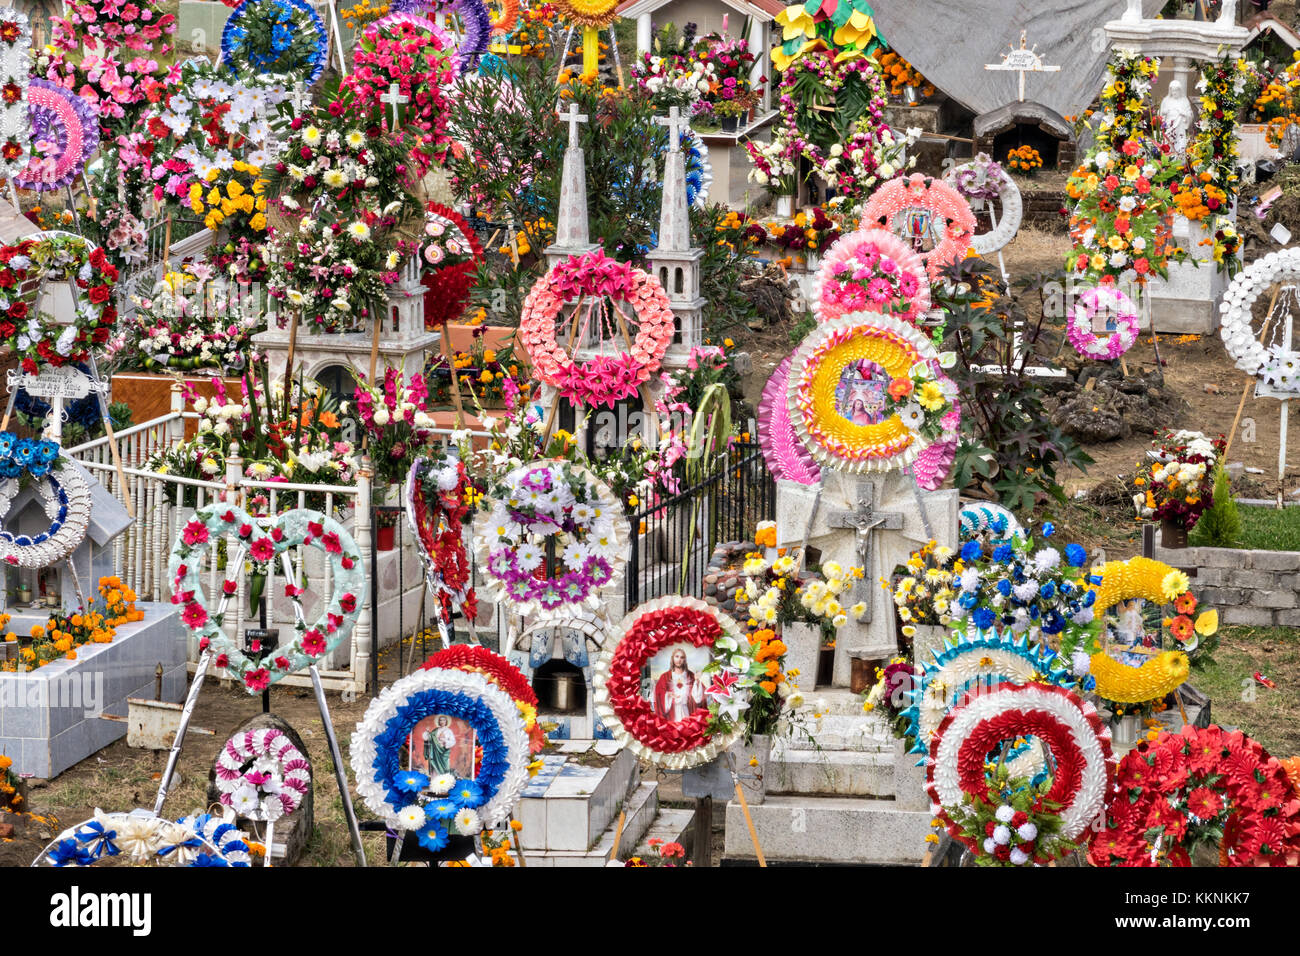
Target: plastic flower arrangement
[
  {"x": 1018, "y": 826},
  {"x": 396, "y": 420},
  {"x": 1213, "y": 150},
  {"x": 285, "y": 37},
  {"x": 1024, "y": 159},
  {"x": 187, "y": 324},
  {"x": 1225, "y": 244},
  {"x": 923, "y": 589},
  {"x": 1123, "y": 115},
  {"x": 775, "y": 163},
  {"x": 1039, "y": 592},
  {"x": 778, "y": 593},
  {"x": 485, "y": 374},
  {"x": 806, "y": 232},
  {"x": 137, "y": 25},
  {"x": 1120, "y": 219},
  {"x": 1179, "y": 484},
  {"x": 673, "y": 80},
  {"x": 980, "y": 179},
  {"x": 732, "y": 62}
]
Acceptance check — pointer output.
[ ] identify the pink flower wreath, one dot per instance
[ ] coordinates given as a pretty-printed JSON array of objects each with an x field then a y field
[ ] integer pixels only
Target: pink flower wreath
[
  {"x": 1111, "y": 301},
  {"x": 872, "y": 270},
  {"x": 604, "y": 379},
  {"x": 941, "y": 200}
]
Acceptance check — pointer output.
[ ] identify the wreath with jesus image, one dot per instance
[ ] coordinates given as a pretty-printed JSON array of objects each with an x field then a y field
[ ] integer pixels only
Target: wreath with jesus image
[
  {"x": 682, "y": 726},
  {"x": 918, "y": 208}
]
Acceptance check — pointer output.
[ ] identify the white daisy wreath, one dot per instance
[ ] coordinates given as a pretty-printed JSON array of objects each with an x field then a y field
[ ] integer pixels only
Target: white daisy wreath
[{"x": 1275, "y": 365}]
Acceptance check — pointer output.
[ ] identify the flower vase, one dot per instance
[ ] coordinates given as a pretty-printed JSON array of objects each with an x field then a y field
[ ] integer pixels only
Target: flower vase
[
  {"x": 1124, "y": 731},
  {"x": 729, "y": 123},
  {"x": 385, "y": 538},
  {"x": 1172, "y": 534},
  {"x": 785, "y": 207},
  {"x": 751, "y": 763}
]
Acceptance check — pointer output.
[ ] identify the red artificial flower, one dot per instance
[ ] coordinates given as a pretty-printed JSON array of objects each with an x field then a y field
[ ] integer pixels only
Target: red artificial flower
[{"x": 1204, "y": 803}]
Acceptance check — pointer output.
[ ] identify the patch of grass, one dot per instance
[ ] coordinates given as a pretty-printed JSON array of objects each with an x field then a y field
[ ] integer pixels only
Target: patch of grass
[
  {"x": 1268, "y": 529},
  {"x": 1267, "y": 715}
]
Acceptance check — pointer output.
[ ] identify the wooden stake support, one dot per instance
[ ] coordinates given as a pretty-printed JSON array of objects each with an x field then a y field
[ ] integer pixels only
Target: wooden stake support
[
  {"x": 618, "y": 834},
  {"x": 519, "y": 850},
  {"x": 749, "y": 822},
  {"x": 1241, "y": 405}
]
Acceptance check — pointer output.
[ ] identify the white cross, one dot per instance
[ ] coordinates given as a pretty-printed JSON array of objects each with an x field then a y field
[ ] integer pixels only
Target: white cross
[
  {"x": 300, "y": 98},
  {"x": 675, "y": 123},
  {"x": 1023, "y": 60},
  {"x": 395, "y": 99},
  {"x": 573, "y": 118}
]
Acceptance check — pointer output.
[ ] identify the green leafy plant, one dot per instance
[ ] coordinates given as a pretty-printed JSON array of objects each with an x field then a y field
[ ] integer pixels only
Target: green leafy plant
[
  {"x": 1220, "y": 525},
  {"x": 1007, "y": 436}
]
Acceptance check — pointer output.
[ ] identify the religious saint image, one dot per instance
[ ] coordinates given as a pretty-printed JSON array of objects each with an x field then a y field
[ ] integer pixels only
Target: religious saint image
[
  {"x": 676, "y": 685},
  {"x": 443, "y": 744},
  {"x": 918, "y": 226},
  {"x": 861, "y": 393},
  {"x": 1127, "y": 627}
]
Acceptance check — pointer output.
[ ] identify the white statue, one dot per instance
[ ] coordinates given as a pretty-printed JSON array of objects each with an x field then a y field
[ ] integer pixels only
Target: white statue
[
  {"x": 1176, "y": 111},
  {"x": 1133, "y": 11},
  {"x": 1228, "y": 16}
]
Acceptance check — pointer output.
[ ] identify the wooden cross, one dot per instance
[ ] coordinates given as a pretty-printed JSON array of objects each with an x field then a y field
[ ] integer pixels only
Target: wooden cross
[
  {"x": 1023, "y": 60},
  {"x": 864, "y": 520},
  {"x": 573, "y": 118},
  {"x": 395, "y": 98},
  {"x": 675, "y": 123}
]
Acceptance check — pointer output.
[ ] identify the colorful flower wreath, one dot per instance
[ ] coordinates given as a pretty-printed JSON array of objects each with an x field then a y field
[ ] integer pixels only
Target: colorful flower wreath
[
  {"x": 539, "y": 502},
  {"x": 452, "y": 254},
  {"x": 983, "y": 181},
  {"x": 872, "y": 270},
  {"x": 986, "y": 517},
  {"x": 436, "y": 509},
  {"x": 15, "y": 67},
  {"x": 785, "y": 454},
  {"x": 67, "y": 502},
  {"x": 1067, "y": 726},
  {"x": 435, "y": 808},
  {"x": 139, "y": 838},
  {"x": 604, "y": 379},
  {"x": 475, "y": 25},
  {"x": 590, "y": 13},
  {"x": 1280, "y": 367},
  {"x": 275, "y": 36},
  {"x": 64, "y": 135},
  {"x": 877, "y": 369},
  {"x": 23, "y": 270},
  {"x": 1122, "y": 684},
  {"x": 261, "y": 774},
  {"x": 918, "y": 206},
  {"x": 616, "y": 683},
  {"x": 136, "y": 25},
  {"x": 264, "y": 540},
  {"x": 1110, "y": 301},
  {"x": 972, "y": 662},
  {"x": 1159, "y": 583},
  {"x": 1200, "y": 785},
  {"x": 477, "y": 659}
]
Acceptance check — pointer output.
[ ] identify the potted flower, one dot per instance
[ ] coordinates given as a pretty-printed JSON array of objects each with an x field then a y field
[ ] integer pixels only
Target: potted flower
[
  {"x": 729, "y": 113},
  {"x": 386, "y": 528},
  {"x": 774, "y": 166},
  {"x": 1178, "y": 486}
]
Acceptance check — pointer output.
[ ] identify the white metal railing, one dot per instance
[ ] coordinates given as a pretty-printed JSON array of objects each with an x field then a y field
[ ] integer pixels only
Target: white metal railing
[{"x": 164, "y": 502}]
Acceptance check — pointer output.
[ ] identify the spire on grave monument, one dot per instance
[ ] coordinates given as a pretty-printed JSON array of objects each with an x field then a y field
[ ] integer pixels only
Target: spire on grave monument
[
  {"x": 572, "y": 235},
  {"x": 673, "y": 260}
]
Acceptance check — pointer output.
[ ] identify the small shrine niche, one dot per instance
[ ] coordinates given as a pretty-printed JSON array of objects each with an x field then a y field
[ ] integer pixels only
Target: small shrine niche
[
  {"x": 1026, "y": 124},
  {"x": 556, "y": 655}
]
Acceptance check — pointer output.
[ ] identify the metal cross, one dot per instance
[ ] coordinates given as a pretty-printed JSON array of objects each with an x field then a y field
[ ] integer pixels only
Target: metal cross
[
  {"x": 395, "y": 98},
  {"x": 1023, "y": 60},
  {"x": 573, "y": 118},
  {"x": 864, "y": 520},
  {"x": 675, "y": 123}
]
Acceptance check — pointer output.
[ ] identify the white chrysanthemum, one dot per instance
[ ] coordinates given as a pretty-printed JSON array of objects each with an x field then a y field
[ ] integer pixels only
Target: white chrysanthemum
[
  {"x": 467, "y": 822},
  {"x": 411, "y": 817},
  {"x": 441, "y": 785},
  {"x": 359, "y": 231},
  {"x": 1004, "y": 814},
  {"x": 1019, "y": 857}
]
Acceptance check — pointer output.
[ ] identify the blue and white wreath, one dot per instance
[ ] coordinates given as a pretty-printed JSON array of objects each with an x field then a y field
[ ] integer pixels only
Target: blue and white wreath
[
  {"x": 139, "y": 838},
  {"x": 434, "y": 809},
  {"x": 65, "y": 493},
  {"x": 982, "y": 517},
  {"x": 292, "y": 22}
]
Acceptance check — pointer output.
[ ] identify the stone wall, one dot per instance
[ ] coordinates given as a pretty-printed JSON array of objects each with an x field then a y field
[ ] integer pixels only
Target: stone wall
[
  {"x": 1260, "y": 588},
  {"x": 1042, "y": 208}
]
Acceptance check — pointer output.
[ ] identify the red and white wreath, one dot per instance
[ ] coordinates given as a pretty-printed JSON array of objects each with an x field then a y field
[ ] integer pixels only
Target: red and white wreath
[
  {"x": 593, "y": 284},
  {"x": 1067, "y": 726},
  {"x": 634, "y": 720},
  {"x": 919, "y": 207}
]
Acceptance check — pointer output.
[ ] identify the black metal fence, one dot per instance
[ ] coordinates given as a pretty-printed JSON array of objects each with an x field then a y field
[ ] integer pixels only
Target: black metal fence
[{"x": 673, "y": 539}]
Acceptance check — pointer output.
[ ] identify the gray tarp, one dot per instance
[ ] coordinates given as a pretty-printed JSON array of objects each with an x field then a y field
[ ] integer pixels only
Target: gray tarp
[{"x": 949, "y": 41}]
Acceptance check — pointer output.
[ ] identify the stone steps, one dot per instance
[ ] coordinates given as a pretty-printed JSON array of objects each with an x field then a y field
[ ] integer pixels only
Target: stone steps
[
  {"x": 640, "y": 809},
  {"x": 828, "y": 830},
  {"x": 863, "y": 732},
  {"x": 832, "y": 772},
  {"x": 671, "y": 826}
]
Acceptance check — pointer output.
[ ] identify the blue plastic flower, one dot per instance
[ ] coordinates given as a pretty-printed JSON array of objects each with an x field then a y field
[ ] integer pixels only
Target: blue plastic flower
[
  {"x": 70, "y": 851},
  {"x": 999, "y": 524},
  {"x": 1003, "y": 553},
  {"x": 1004, "y": 587},
  {"x": 971, "y": 551},
  {"x": 7, "y": 440},
  {"x": 1049, "y": 529},
  {"x": 1053, "y": 623},
  {"x": 433, "y": 837},
  {"x": 442, "y": 809},
  {"x": 968, "y": 599},
  {"x": 24, "y": 451},
  {"x": 1047, "y": 591},
  {"x": 1089, "y": 598},
  {"x": 467, "y": 793},
  {"x": 208, "y": 859},
  {"x": 98, "y": 840},
  {"x": 47, "y": 452},
  {"x": 983, "y": 618},
  {"x": 411, "y": 781},
  {"x": 1075, "y": 555},
  {"x": 1089, "y": 682}
]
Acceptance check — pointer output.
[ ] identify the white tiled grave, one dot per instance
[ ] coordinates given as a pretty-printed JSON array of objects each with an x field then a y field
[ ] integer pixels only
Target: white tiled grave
[
  {"x": 569, "y": 811},
  {"x": 49, "y": 718},
  {"x": 852, "y": 797}
]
